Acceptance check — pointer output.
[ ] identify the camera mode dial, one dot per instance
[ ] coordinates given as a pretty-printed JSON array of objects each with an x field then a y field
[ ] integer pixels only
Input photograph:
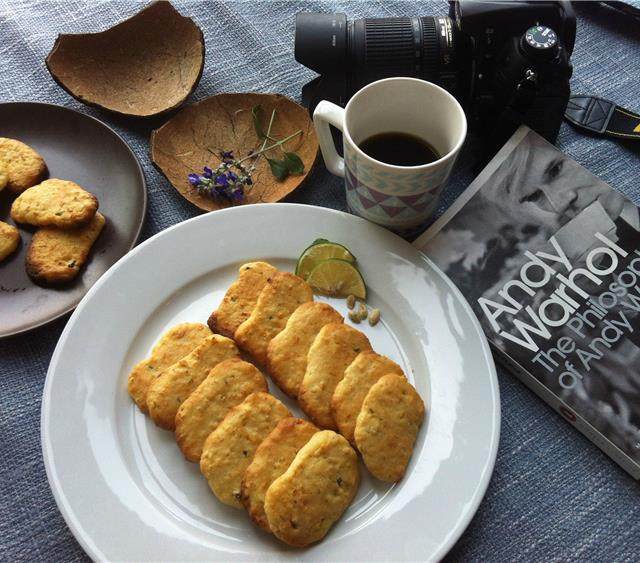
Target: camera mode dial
[{"x": 540, "y": 43}]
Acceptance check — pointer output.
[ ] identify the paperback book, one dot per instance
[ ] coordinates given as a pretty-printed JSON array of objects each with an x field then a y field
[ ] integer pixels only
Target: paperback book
[{"x": 548, "y": 256}]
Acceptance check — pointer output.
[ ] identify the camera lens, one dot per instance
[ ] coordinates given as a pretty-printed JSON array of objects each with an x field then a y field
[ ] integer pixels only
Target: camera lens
[
  {"x": 321, "y": 42},
  {"x": 420, "y": 47},
  {"x": 351, "y": 55}
]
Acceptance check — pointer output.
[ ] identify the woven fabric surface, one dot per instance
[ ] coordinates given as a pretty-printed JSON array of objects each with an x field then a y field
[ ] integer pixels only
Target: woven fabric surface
[{"x": 553, "y": 496}]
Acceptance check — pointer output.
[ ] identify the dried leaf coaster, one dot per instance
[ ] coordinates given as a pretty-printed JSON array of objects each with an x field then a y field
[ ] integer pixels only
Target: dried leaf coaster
[
  {"x": 197, "y": 135},
  {"x": 146, "y": 65}
]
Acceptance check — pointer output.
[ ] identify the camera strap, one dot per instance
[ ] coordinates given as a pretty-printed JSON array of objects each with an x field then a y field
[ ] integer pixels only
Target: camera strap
[{"x": 603, "y": 117}]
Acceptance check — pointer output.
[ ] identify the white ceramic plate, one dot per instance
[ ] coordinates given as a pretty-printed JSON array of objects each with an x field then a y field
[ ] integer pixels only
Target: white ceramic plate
[{"x": 122, "y": 484}]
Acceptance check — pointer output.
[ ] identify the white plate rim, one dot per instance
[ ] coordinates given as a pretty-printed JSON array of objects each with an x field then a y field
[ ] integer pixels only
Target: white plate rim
[{"x": 56, "y": 488}]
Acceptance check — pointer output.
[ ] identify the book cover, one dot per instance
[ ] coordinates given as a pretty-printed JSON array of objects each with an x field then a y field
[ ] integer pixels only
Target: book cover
[{"x": 548, "y": 256}]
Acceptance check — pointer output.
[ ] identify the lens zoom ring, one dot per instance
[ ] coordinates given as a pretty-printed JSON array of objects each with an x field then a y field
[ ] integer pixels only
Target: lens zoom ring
[
  {"x": 389, "y": 42},
  {"x": 430, "y": 48}
]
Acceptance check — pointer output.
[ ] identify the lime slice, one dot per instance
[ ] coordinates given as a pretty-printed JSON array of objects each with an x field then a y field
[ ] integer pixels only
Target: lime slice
[
  {"x": 318, "y": 252},
  {"x": 337, "y": 278}
]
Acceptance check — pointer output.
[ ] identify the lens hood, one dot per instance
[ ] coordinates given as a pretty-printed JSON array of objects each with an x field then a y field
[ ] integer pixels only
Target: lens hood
[{"x": 321, "y": 41}]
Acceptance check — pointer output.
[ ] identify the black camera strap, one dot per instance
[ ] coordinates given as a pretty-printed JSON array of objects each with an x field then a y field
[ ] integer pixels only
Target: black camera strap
[{"x": 597, "y": 115}]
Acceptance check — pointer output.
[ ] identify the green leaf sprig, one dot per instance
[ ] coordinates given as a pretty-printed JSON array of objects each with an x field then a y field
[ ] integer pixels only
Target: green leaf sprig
[{"x": 290, "y": 163}]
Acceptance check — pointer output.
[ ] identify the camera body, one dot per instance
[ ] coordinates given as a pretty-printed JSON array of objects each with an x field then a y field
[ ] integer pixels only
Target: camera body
[{"x": 506, "y": 61}]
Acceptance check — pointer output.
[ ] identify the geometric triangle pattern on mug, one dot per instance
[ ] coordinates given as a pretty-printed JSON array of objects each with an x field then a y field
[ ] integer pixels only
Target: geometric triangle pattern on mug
[
  {"x": 394, "y": 182},
  {"x": 388, "y": 205}
]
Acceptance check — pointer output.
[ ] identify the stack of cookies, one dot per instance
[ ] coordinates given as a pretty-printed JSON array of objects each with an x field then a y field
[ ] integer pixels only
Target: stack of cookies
[
  {"x": 294, "y": 477},
  {"x": 66, "y": 216}
]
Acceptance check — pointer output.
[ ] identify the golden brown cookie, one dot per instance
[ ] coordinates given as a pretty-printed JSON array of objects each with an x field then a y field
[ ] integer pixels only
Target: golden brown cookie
[
  {"x": 9, "y": 240},
  {"x": 272, "y": 458},
  {"x": 172, "y": 387},
  {"x": 335, "y": 347},
  {"x": 227, "y": 385},
  {"x": 277, "y": 301},
  {"x": 388, "y": 425},
  {"x": 361, "y": 374},
  {"x": 24, "y": 166},
  {"x": 174, "y": 345},
  {"x": 287, "y": 351},
  {"x": 54, "y": 203},
  {"x": 229, "y": 449},
  {"x": 4, "y": 175},
  {"x": 57, "y": 256},
  {"x": 303, "y": 503},
  {"x": 241, "y": 298}
]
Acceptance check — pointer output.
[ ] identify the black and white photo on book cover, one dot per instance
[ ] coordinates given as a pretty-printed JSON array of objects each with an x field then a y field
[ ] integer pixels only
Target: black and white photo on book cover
[{"x": 548, "y": 256}]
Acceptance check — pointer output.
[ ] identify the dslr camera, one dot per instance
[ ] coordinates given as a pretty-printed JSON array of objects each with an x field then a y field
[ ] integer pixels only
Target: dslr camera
[{"x": 507, "y": 62}]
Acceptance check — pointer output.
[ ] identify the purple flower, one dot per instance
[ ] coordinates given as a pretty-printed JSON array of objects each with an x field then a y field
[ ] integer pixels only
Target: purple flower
[{"x": 222, "y": 183}]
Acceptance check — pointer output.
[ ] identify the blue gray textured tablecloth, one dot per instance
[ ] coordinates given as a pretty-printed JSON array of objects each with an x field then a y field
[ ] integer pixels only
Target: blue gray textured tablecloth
[{"x": 553, "y": 496}]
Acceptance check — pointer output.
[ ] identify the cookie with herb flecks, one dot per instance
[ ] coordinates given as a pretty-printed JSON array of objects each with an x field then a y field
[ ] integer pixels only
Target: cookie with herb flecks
[
  {"x": 9, "y": 240},
  {"x": 4, "y": 175},
  {"x": 362, "y": 373},
  {"x": 241, "y": 297},
  {"x": 277, "y": 301},
  {"x": 174, "y": 345},
  {"x": 57, "y": 256},
  {"x": 229, "y": 449},
  {"x": 177, "y": 382},
  {"x": 24, "y": 166},
  {"x": 310, "y": 496},
  {"x": 227, "y": 385},
  {"x": 54, "y": 203},
  {"x": 335, "y": 347},
  {"x": 287, "y": 351},
  {"x": 272, "y": 459},
  {"x": 388, "y": 425}
]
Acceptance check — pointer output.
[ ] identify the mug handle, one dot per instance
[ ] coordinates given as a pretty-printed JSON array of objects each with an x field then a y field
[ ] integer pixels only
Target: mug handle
[{"x": 324, "y": 115}]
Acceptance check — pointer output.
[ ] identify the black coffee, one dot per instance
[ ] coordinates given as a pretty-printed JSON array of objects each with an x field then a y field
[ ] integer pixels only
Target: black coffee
[{"x": 399, "y": 149}]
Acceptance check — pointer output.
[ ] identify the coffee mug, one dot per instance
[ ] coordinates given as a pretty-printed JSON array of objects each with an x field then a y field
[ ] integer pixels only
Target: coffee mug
[{"x": 398, "y": 197}]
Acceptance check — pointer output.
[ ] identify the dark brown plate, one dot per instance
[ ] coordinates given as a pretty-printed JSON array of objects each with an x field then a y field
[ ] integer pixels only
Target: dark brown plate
[{"x": 75, "y": 147}]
